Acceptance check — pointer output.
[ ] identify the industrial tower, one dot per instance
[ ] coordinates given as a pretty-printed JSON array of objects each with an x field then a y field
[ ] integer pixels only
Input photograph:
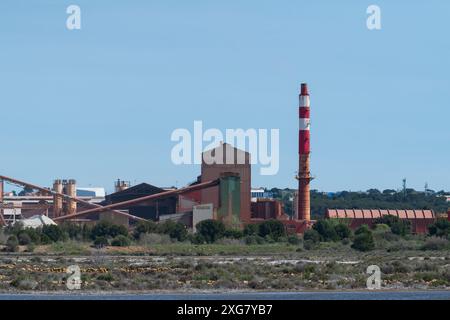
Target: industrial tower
[{"x": 304, "y": 175}]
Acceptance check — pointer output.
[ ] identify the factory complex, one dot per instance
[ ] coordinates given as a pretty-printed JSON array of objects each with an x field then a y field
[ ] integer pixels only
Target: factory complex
[{"x": 223, "y": 191}]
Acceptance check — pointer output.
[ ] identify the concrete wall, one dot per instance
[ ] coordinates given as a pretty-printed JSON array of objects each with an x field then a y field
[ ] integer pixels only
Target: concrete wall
[{"x": 202, "y": 212}]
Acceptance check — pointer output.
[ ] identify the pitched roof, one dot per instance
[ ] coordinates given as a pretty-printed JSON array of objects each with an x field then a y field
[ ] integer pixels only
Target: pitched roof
[
  {"x": 227, "y": 150},
  {"x": 142, "y": 188},
  {"x": 377, "y": 213}
]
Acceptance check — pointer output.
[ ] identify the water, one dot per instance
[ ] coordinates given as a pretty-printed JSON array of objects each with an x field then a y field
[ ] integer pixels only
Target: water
[{"x": 329, "y": 295}]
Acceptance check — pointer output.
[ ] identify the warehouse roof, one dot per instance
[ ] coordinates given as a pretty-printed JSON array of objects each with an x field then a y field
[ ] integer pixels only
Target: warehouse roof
[{"x": 377, "y": 213}]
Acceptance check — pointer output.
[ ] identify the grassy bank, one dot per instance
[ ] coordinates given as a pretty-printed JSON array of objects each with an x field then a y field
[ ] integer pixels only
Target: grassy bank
[
  {"x": 261, "y": 257},
  {"x": 221, "y": 267}
]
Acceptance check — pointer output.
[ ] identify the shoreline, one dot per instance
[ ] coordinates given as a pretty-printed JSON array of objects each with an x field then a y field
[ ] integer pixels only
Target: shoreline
[{"x": 233, "y": 296}]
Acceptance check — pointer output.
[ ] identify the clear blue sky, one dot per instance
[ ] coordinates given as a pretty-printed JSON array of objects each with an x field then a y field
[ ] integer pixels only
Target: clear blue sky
[{"x": 100, "y": 103}]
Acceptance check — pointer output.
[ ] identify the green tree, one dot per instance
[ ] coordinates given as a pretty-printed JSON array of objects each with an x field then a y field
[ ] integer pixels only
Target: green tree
[
  {"x": 12, "y": 244},
  {"x": 311, "y": 235},
  {"x": 121, "y": 241},
  {"x": 272, "y": 228},
  {"x": 363, "y": 240},
  {"x": 107, "y": 229},
  {"x": 364, "y": 228},
  {"x": 233, "y": 233},
  {"x": 33, "y": 234},
  {"x": 176, "y": 230},
  {"x": 24, "y": 239},
  {"x": 72, "y": 230},
  {"x": 441, "y": 228},
  {"x": 118, "y": 229},
  {"x": 398, "y": 226},
  {"x": 326, "y": 230},
  {"x": 101, "y": 242},
  {"x": 101, "y": 229},
  {"x": 251, "y": 229},
  {"x": 54, "y": 233},
  {"x": 144, "y": 227},
  {"x": 343, "y": 231},
  {"x": 210, "y": 230}
]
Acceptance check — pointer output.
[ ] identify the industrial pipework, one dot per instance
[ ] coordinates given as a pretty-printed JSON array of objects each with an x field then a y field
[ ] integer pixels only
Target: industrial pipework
[{"x": 57, "y": 195}]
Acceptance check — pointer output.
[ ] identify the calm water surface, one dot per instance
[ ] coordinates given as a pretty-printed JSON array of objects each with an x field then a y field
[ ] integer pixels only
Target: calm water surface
[{"x": 407, "y": 295}]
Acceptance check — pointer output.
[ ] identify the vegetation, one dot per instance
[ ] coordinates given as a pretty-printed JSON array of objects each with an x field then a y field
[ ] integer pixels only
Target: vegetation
[
  {"x": 372, "y": 198},
  {"x": 435, "y": 243},
  {"x": 12, "y": 244},
  {"x": 271, "y": 228},
  {"x": 388, "y": 233},
  {"x": 363, "y": 239},
  {"x": 441, "y": 228},
  {"x": 251, "y": 230},
  {"x": 53, "y": 233},
  {"x": 175, "y": 230},
  {"x": 312, "y": 235},
  {"x": 210, "y": 230},
  {"x": 108, "y": 230},
  {"x": 398, "y": 226},
  {"x": 217, "y": 267},
  {"x": 100, "y": 242},
  {"x": 331, "y": 230},
  {"x": 121, "y": 241}
]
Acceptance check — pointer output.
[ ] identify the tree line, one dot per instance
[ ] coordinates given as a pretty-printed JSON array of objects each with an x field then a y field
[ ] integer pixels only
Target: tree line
[{"x": 370, "y": 199}]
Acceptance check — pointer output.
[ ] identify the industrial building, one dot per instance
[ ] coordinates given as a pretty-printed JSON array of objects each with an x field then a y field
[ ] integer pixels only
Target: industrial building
[
  {"x": 420, "y": 219},
  {"x": 221, "y": 191},
  {"x": 150, "y": 210},
  {"x": 228, "y": 160},
  {"x": 260, "y": 193}
]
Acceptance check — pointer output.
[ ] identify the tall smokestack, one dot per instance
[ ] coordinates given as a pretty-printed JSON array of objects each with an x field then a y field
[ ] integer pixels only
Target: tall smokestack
[{"x": 304, "y": 175}]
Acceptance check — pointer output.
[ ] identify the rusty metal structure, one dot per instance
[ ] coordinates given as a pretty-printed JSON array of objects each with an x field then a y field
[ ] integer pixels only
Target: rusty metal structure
[
  {"x": 55, "y": 195},
  {"x": 99, "y": 209},
  {"x": 266, "y": 209}
]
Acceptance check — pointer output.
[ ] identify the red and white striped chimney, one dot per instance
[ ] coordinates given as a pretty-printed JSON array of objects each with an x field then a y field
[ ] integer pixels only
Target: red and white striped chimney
[{"x": 304, "y": 175}]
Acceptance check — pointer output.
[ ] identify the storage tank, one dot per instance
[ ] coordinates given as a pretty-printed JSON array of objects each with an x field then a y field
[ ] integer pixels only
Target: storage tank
[
  {"x": 57, "y": 200},
  {"x": 71, "y": 191},
  {"x": 121, "y": 185}
]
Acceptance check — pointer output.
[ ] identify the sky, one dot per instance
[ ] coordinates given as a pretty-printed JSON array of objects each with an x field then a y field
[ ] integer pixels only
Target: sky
[{"x": 101, "y": 103}]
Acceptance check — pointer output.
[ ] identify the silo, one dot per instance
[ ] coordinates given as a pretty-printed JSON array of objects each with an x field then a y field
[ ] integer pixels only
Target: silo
[
  {"x": 57, "y": 200},
  {"x": 121, "y": 185},
  {"x": 71, "y": 191}
]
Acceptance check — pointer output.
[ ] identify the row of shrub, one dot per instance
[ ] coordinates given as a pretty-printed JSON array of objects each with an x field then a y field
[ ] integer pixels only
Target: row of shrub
[
  {"x": 387, "y": 228},
  {"x": 101, "y": 234},
  {"x": 210, "y": 231},
  {"x": 106, "y": 233},
  {"x": 334, "y": 230}
]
